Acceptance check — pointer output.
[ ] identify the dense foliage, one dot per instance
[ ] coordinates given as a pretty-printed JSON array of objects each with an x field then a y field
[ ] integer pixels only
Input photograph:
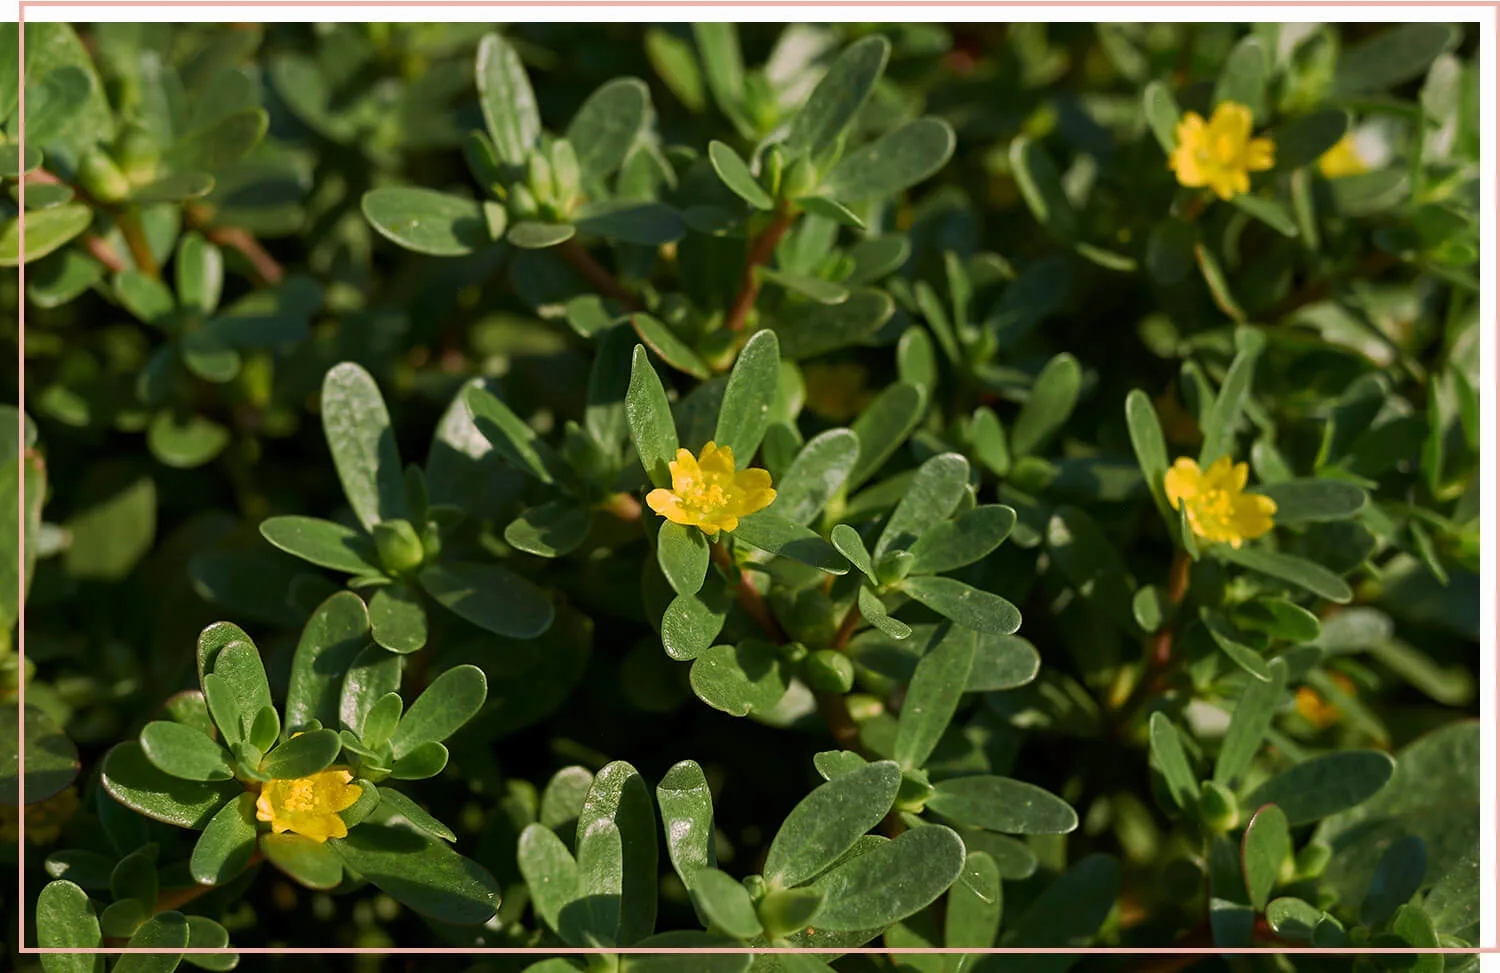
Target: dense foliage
[{"x": 687, "y": 485}]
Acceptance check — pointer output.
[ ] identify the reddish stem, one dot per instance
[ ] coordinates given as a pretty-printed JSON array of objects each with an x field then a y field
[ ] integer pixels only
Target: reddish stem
[
  {"x": 243, "y": 241},
  {"x": 129, "y": 221},
  {"x": 600, "y": 279},
  {"x": 171, "y": 900},
  {"x": 760, "y": 255},
  {"x": 100, "y": 249},
  {"x": 748, "y": 595}
]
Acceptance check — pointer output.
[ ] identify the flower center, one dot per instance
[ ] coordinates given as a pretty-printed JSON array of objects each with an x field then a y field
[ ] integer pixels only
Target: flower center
[
  {"x": 300, "y": 796},
  {"x": 708, "y": 493}
]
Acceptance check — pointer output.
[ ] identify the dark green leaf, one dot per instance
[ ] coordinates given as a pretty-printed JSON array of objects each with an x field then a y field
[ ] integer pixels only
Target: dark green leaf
[
  {"x": 427, "y": 221},
  {"x": 1325, "y": 785},
  {"x": 491, "y": 596}
]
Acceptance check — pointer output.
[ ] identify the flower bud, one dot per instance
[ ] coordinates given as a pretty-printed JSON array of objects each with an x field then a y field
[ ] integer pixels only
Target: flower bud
[
  {"x": 101, "y": 178},
  {"x": 785, "y": 911},
  {"x": 828, "y": 671},
  {"x": 800, "y": 179},
  {"x": 139, "y": 154},
  {"x": 893, "y": 567},
  {"x": 773, "y": 163},
  {"x": 1217, "y": 808},
  {"x": 399, "y": 546}
]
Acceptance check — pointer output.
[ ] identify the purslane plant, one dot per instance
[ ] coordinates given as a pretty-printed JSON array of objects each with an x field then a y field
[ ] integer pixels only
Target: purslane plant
[{"x": 1001, "y": 485}]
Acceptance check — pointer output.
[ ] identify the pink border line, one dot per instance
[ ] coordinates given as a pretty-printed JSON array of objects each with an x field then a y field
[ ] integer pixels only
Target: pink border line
[{"x": 21, "y": 917}]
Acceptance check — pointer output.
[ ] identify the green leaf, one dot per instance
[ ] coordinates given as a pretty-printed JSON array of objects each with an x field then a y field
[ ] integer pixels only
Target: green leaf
[
  {"x": 132, "y": 780},
  {"x": 672, "y": 349},
  {"x": 768, "y": 532},
  {"x": 1095, "y": 566},
  {"x": 1269, "y": 211},
  {"x": 969, "y": 607},
  {"x": 1228, "y": 640},
  {"x": 692, "y": 622},
  {"x": 724, "y": 903},
  {"x": 607, "y": 124},
  {"x": 816, "y": 475},
  {"x": 619, "y": 802},
  {"x": 512, "y": 437},
  {"x": 1150, "y": 447},
  {"x": 735, "y": 174},
  {"x": 1263, "y": 851},
  {"x": 358, "y": 430},
  {"x": 491, "y": 596},
  {"x": 812, "y": 329},
  {"x": 324, "y": 543},
  {"x": 303, "y": 755},
  {"x": 846, "y": 541},
  {"x": 332, "y": 638},
  {"x": 681, "y": 956},
  {"x": 746, "y": 410},
  {"x": 1315, "y": 499},
  {"x": 221, "y": 144},
  {"x": 838, "y": 97},
  {"x": 402, "y": 806},
  {"x": 831, "y": 209},
  {"x": 883, "y": 427},
  {"x": 933, "y": 695},
  {"x": 1001, "y": 804},
  {"x": 1229, "y": 913},
  {"x": 1042, "y": 189},
  {"x": 723, "y": 69},
  {"x": 1002, "y": 662},
  {"x": 397, "y": 619},
  {"x": 373, "y": 674},
  {"x": 147, "y": 298},
  {"x": 873, "y": 611},
  {"x": 1218, "y": 430},
  {"x": 46, "y": 230},
  {"x": 185, "y": 752},
  {"x": 315, "y": 864},
  {"x": 890, "y": 882},
  {"x": 185, "y": 442},
  {"x": 812, "y": 288},
  {"x": 1393, "y": 56},
  {"x": 1162, "y": 114},
  {"x": 1052, "y": 399},
  {"x": 552, "y": 530},
  {"x": 687, "y": 819},
  {"x": 224, "y": 848},
  {"x": 682, "y": 553},
  {"x": 1243, "y": 77},
  {"x": 549, "y": 870},
  {"x": 164, "y": 935},
  {"x": 427, "y": 221},
  {"x": 1294, "y": 570},
  {"x": 65, "y": 919},
  {"x": 535, "y": 235},
  {"x": 1303, "y": 140},
  {"x": 934, "y": 493},
  {"x": 1414, "y": 928},
  {"x": 174, "y": 187},
  {"x": 1217, "y": 282},
  {"x": 1397, "y": 878},
  {"x": 739, "y": 679},
  {"x": 646, "y": 224},
  {"x": 420, "y": 872},
  {"x": 237, "y": 667},
  {"x": 1172, "y": 761},
  {"x": 51, "y": 758},
  {"x": 827, "y": 822},
  {"x": 969, "y": 537},
  {"x": 1325, "y": 785},
  {"x": 448, "y": 702},
  {"x": 1248, "y": 724},
  {"x": 974, "y": 907},
  {"x": 204, "y": 933},
  {"x": 54, "y": 100},
  {"x": 650, "y": 417},
  {"x": 506, "y": 98},
  {"x": 896, "y": 161}
]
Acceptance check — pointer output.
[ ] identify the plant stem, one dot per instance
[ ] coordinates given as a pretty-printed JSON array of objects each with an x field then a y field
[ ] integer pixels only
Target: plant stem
[
  {"x": 242, "y": 240},
  {"x": 847, "y": 627},
  {"x": 1177, "y": 585},
  {"x": 760, "y": 254},
  {"x": 129, "y": 221},
  {"x": 100, "y": 249},
  {"x": 748, "y": 595},
  {"x": 600, "y": 279},
  {"x": 171, "y": 900}
]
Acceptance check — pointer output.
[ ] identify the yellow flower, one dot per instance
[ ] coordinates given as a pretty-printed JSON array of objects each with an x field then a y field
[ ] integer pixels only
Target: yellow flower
[
  {"x": 1220, "y": 153},
  {"x": 1342, "y": 160},
  {"x": 708, "y": 494},
  {"x": 309, "y": 805},
  {"x": 1218, "y": 509},
  {"x": 1318, "y": 711}
]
